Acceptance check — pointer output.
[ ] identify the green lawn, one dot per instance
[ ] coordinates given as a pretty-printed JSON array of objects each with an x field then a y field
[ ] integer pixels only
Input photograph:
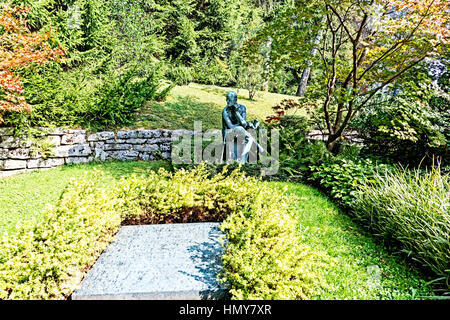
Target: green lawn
[
  {"x": 24, "y": 196},
  {"x": 202, "y": 102},
  {"x": 354, "y": 266}
]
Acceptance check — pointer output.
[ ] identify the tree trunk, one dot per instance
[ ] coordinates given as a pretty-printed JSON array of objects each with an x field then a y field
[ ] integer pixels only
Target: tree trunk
[
  {"x": 303, "y": 82},
  {"x": 307, "y": 71},
  {"x": 331, "y": 144},
  {"x": 265, "y": 85}
]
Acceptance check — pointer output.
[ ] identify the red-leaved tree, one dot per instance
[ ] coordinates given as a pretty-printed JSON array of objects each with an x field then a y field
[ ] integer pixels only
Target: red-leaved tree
[{"x": 19, "y": 47}]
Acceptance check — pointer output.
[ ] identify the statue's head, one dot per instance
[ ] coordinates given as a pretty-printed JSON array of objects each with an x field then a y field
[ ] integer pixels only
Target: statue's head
[{"x": 231, "y": 98}]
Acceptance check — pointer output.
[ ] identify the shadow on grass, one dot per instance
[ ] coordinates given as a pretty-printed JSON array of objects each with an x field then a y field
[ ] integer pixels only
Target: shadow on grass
[{"x": 180, "y": 114}]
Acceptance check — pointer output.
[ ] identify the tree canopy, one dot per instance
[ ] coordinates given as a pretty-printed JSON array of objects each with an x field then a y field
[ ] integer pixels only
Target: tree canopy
[{"x": 365, "y": 46}]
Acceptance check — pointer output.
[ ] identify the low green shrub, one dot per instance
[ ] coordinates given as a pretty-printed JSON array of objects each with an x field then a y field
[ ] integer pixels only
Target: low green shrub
[
  {"x": 184, "y": 196},
  {"x": 297, "y": 151},
  {"x": 47, "y": 260},
  {"x": 341, "y": 178},
  {"x": 412, "y": 209},
  {"x": 264, "y": 258},
  {"x": 405, "y": 129},
  {"x": 250, "y": 169}
]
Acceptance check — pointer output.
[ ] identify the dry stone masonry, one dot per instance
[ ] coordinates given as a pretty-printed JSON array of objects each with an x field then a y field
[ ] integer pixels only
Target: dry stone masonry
[
  {"x": 19, "y": 154},
  {"x": 56, "y": 147}
]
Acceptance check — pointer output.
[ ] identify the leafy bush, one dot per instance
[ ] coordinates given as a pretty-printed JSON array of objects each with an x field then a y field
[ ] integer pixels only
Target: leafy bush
[
  {"x": 58, "y": 98},
  {"x": 184, "y": 196},
  {"x": 404, "y": 129},
  {"x": 264, "y": 257},
  {"x": 342, "y": 178},
  {"x": 411, "y": 209},
  {"x": 210, "y": 71},
  {"x": 250, "y": 169},
  {"x": 297, "y": 151},
  {"x": 79, "y": 98},
  {"x": 118, "y": 99}
]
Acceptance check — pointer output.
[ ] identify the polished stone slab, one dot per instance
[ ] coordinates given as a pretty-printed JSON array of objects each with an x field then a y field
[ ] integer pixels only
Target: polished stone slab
[{"x": 173, "y": 261}]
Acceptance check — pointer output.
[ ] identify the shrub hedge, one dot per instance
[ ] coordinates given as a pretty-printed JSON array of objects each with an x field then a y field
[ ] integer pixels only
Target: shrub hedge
[{"x": 264, "y": 258}]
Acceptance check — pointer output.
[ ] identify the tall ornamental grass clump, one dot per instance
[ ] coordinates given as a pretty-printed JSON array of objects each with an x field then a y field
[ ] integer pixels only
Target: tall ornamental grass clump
[{"x": 411, "y": 208}]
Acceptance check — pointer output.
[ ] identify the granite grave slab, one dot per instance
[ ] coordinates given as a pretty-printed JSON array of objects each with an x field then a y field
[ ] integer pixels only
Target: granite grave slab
[{"x": 174, "y": 261}]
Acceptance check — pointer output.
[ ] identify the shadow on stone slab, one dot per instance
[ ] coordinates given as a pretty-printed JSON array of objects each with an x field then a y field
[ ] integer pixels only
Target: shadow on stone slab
[
  {"x": 206, "y": 261},
  {"x": 176, "y": 261}
]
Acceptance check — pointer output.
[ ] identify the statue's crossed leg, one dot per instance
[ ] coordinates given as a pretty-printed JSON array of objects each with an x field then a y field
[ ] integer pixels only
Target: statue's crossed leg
[{"x": 239, "y": 144}]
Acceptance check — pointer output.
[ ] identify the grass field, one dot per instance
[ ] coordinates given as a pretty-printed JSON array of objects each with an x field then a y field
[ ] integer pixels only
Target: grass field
[
  {"x": 354, "y": 267},
  {"x": 23, "y": 197},
  {"x": 202, "y": 102}
]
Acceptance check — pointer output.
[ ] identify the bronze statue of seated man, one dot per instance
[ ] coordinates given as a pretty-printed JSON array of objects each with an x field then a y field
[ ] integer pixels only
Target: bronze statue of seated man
[{"x": 234, "y": 126}]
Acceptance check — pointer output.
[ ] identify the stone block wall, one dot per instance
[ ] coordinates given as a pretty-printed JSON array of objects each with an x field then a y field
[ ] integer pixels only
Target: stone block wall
[
  {"x": 18, "y": 154},
  {"x": 350, "y": 137}
]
